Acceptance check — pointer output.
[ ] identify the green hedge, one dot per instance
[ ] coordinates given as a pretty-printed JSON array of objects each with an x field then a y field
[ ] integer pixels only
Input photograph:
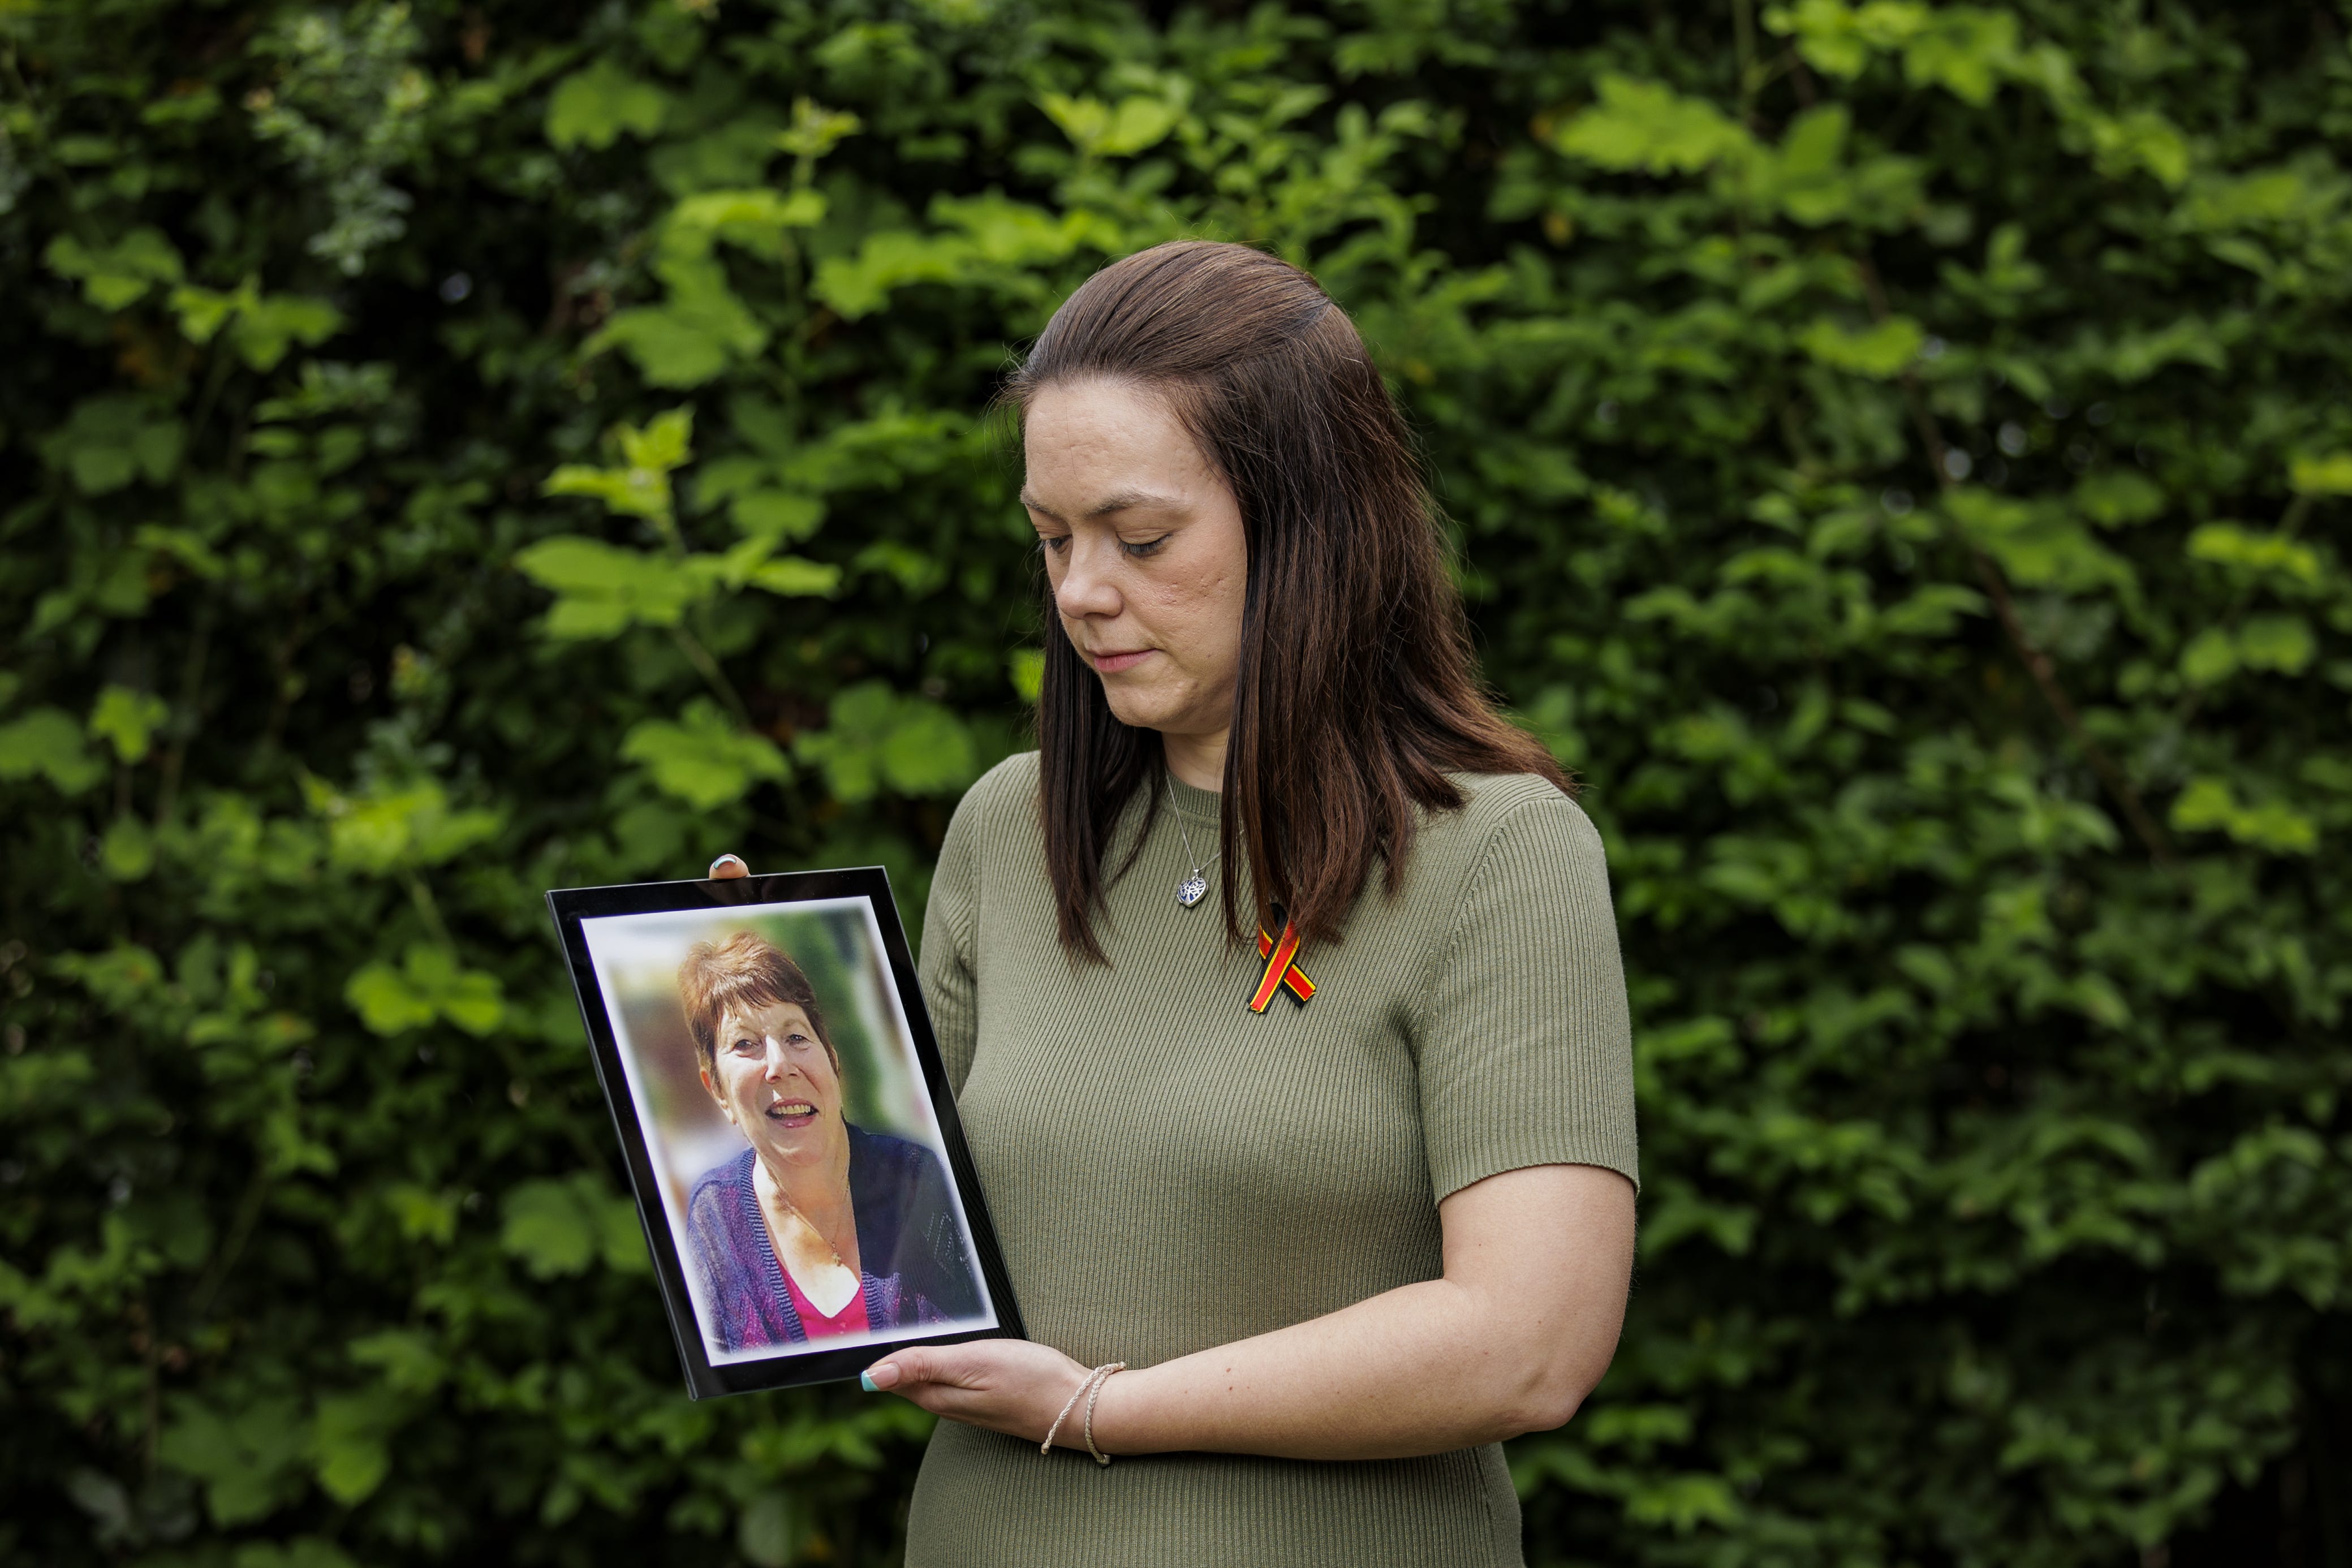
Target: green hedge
[{"x": 1900, "y": 457}]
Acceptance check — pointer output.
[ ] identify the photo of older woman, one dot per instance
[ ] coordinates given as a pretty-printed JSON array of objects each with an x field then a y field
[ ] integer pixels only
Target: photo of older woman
[{"x": 819, "y": 1228}]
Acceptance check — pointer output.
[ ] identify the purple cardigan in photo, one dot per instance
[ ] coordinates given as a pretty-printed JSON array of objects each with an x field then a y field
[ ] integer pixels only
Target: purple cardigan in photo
[{"x": 916, "y": 1266}]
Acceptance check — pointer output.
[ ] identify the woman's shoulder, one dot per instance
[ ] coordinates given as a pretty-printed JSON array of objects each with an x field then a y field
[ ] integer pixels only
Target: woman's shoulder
[
  {"x": 1004, "y": 799},
  {"x": 887, "y": 1150},
  {"x": 1012, "y": 781},
  {"x": 1496, "y": 807},
  {"x": 721, "y": 1182}
]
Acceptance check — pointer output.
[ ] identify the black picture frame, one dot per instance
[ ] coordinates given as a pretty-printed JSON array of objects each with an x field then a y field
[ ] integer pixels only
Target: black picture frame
[{"x": 704, "y": 1378}]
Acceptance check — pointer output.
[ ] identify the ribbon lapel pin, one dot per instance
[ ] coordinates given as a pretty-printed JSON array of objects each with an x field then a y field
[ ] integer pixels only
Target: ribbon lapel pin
[{"x": 1282, "y": 971}]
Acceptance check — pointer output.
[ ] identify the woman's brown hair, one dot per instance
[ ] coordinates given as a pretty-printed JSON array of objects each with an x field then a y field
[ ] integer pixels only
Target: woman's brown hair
[
  {"x": 745, "y": 971},
  {"x": 1356, "y": 694}
]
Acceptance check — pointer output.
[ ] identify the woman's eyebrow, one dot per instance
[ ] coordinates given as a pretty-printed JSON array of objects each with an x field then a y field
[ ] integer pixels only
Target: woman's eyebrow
[{"x": 1117, "y": 501}]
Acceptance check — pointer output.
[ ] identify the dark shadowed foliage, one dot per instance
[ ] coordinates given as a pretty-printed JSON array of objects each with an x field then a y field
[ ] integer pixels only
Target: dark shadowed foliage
[{"x": 1897, "y": 455}]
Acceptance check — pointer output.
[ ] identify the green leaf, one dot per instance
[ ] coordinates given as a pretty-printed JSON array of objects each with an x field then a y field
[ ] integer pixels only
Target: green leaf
[
  {"x": 261, "y": 328},
  {"x": 602, "y": 590},
  {"x": 1682, "y": 1502},
  {"x": 815, "y": 131},
  {"x": 1026, "y": 665},
  {"x": 564, "y": 1227},
  {"x": 778, "y": 517},
  {"x": 1098, "y": 130},
  {"x": 756, "y": 217},
  {"x": 2142, "y": 140},
  {"x": 1880, "y": 351},
  {"x": 1648, "y": 126},
  {"x": 48, "y": 743},
  {"x": 705, "y": 760},
  {"x": 248, "y": 1457},
  {"x": 679, "y": 348},
  {"x": 430, "y": 983},
  {"x": 878, "y": 739},
  {"x": 771, "y": 1531},
  {"x": 407, "y": 1358},
  {"x": 384, "y": 1000},
  {"x": 2210, "y": 657},
  {"x": 266, "y": 327},
  {"x": 639, "y": 486},
  {"x": 114, "y": 439},
  {"x": 303, "y": 1552},
  {"x": 2279, "y": 642},
  {"x": 1840, "y": 40},
  {"x": 127, "y": 853},
  {"x": 2115, "y": 498},
  {"x": 591, "y": 108},
  {"x": 1966, "y": 49},
  {"x": 794, "y": 577},
  {"x": 127, "y": 719},
  {"x": 391, "y": 827},
  {"x": 2038, "y": 545},
  {"x": 120, "y": 274},
  {"x": 859, "y": 285},
  {"x": 2265, "y": 550},
  {"x": 351, "y": 1439},
  {"x": 2210, "y": 804},
  {"x": 2325, "y": 476}
]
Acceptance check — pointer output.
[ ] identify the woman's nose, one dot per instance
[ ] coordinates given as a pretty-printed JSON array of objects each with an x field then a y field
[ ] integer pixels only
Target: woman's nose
[{"x": 1087, "y": 588}]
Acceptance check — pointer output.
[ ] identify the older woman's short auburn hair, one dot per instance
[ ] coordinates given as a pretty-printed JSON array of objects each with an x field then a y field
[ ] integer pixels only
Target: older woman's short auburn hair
[{"x": 745, "y": 971}]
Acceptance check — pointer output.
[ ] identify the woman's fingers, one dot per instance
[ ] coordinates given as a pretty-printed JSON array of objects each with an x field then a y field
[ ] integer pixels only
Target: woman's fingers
[
  {"x": 937, "y": 1365},
  {"x": 1006, "y": 1386},
  {"x": 727, "y": 868}
]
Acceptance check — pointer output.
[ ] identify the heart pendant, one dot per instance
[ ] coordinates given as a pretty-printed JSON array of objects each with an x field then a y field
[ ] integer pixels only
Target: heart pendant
[{"x": 1192, "y": 889}]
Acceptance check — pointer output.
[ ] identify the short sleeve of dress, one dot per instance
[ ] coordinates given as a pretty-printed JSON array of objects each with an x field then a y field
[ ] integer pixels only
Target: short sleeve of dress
[
  {"x": 947, "y": 965},
  {"x": 1525, "y": 1046}
]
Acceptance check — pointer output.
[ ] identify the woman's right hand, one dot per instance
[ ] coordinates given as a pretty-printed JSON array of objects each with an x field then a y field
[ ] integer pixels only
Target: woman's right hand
[{"x": 727, "y": 868}]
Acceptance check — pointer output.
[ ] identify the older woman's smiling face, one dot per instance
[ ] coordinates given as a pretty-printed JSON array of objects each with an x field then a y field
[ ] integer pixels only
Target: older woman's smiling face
[{"x": 776, "y": 1081}]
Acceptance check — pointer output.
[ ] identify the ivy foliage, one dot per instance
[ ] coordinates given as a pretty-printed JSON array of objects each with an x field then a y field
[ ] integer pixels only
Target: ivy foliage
[{"x": 1900, "y": 456}]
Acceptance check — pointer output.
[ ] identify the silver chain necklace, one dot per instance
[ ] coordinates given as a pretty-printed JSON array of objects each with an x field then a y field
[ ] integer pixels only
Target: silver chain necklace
[{"x": 1194, "y": 888}]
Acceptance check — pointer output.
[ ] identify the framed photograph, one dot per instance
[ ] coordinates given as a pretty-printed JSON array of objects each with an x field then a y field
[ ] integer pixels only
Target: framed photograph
[{"x": 790, "y": 1134}]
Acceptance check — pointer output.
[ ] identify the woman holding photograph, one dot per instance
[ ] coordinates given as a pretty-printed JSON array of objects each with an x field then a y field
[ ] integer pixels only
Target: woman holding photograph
[
  {"x": 1346, "y": 1234},
  {"x": 820, "y": 1228}
]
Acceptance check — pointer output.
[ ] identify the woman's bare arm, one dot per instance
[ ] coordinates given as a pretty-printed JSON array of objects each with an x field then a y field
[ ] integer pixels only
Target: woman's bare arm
[{"x": 1510, "y": 1340}]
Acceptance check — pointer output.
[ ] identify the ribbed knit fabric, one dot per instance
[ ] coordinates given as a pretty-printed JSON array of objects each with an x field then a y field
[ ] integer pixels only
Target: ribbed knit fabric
[{"x": 1169, "y": 1171}]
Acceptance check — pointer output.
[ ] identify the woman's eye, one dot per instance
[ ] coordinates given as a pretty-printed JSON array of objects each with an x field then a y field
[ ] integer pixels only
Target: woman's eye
[
  {"x": 746, "y": 1048},
  {"x": 1055, "y": 543},
  {"x": 1137, "y": 549}
]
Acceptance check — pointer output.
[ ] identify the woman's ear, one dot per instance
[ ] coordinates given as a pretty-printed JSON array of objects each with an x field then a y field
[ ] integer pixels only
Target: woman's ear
[{"x": 711, "y": 1087}]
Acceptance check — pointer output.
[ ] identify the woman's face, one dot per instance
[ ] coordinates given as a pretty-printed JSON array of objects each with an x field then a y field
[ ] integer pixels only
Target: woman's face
[
  {"x": 772, "y": 1076},
  {"x": 1144, "y": 547}
]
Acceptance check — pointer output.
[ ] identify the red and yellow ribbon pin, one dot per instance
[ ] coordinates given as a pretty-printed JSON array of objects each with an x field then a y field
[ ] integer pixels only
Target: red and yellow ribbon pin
[{"x": 1281, "y": 970}]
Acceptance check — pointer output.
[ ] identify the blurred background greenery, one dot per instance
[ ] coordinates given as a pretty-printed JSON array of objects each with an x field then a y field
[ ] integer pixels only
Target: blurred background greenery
[{"x": 1899, "y": 455}]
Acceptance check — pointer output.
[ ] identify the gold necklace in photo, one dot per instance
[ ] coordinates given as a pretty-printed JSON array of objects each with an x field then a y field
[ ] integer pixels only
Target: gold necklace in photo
[{"x": 795, "y": 1212}]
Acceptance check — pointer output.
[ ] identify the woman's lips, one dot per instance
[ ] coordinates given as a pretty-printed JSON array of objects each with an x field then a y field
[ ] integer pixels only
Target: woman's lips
[
  {"x": 1112, "y": 663},
  {"x": 793, "y": 1112}
]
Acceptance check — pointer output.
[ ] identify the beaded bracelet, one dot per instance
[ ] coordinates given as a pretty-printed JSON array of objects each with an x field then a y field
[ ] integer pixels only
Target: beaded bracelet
[{"x": 1091, "y": 1387}]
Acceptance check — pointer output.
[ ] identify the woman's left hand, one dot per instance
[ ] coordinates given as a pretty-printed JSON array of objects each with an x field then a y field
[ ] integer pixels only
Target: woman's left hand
[{"x": 1006, "y": 1386}]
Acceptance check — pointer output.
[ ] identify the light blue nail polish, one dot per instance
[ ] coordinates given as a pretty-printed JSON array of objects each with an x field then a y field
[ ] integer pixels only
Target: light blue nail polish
[{"x": 865, "y": 1382}]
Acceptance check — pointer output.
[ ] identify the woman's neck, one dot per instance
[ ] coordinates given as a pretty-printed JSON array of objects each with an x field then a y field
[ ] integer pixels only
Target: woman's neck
[
  {"x": 819, "y": 1192},
  {"x": 1198, "y": 760}
]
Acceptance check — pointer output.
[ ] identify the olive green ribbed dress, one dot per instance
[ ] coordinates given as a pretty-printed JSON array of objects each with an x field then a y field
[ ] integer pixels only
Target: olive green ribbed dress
[{"x": 1170, "y": 1171}]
